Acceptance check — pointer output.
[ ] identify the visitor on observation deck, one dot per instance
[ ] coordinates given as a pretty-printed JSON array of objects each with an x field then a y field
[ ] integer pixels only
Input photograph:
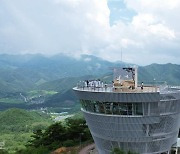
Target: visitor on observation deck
[{"x": 142, "y": 85}]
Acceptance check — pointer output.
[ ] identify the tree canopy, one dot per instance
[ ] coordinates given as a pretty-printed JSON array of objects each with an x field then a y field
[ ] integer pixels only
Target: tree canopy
[{"x": 59, "y": 134}]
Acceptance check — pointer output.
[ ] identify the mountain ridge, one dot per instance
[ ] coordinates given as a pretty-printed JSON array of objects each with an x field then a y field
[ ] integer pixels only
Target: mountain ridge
[{"x": 57, "y": 76}]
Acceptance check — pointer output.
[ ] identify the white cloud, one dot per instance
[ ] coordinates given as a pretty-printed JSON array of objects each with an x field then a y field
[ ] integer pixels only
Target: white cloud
[
  {"x": 77, "y": 27},
  {"x": 148, "y": 24},
  {"x": 52, "y": 26},
  {"x": 145, "y": 5},
  {"x": 87, "y": 59},
  {"x": 152, "y": 33}
]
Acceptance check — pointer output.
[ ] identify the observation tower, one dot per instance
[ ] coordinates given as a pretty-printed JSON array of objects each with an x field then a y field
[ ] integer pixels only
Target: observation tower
[{"x": 142, "y": 118}]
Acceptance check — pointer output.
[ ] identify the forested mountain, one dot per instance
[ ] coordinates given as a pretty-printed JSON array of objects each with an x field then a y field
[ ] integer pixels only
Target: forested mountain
[
  {"x": 40, "y": 82},
  {"x": 18, "y": 120},
  {"x": 169, "y": 73},
  {"x": 18, "y": 125},
  {"x": 24, "y": 72},
  {"x": 34, "y": 81}
]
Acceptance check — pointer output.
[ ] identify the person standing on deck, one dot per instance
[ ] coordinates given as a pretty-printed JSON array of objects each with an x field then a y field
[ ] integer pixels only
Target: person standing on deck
[{"x": 142, "y": 85}]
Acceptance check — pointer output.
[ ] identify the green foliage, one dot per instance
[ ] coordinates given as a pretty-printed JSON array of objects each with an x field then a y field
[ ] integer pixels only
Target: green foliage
[
  {"x": 35, "y": 75},
  {"x": 36, "y": 93},
  {"x": 59, "y": 134},
  {"x": 39, "y": 150},
  {"x": 15, "y": 141},
  {"x": 161, "y": 72},
  {"x": 18, "y": 120},
  {"x": 25, "y": 72},
  {"x": 77, "y": 128},
  {"x": 17, "y": 126},
  {"x": 130, "y": 152},
  {"x": 78, "y": 115},
  {"x": 68, "y": 143},
  {"x": 3, "y": 151},
  {"x": 11, "y": 100},
  {"x": 119, "y": 151}
]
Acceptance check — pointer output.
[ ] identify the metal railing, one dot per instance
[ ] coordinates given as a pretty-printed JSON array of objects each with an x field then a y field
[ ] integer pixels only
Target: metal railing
[
  {"x": 111, "y": 88},
  {"x": 155, "y": 86}
]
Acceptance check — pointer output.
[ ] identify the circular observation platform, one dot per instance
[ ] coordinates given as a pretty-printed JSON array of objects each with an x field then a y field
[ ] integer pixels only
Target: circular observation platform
[{"x": 145, "y": 120}]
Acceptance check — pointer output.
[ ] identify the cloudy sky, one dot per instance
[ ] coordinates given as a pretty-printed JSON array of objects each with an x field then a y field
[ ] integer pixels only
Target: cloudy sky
[{"x": 145, "y": 31}]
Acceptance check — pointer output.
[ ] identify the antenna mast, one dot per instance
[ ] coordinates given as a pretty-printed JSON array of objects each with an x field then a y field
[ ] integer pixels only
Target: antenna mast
[{"x": 121, "y": 54}]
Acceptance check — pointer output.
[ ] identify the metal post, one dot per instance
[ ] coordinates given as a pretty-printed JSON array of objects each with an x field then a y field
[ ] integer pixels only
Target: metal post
[{"x": 176, "y": 150}]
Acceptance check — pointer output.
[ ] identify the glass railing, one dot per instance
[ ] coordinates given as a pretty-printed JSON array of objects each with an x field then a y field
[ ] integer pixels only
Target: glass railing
[{"x": 100, "y": 86}]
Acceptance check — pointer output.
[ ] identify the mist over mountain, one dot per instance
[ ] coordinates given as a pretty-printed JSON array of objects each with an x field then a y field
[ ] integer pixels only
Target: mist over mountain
[
  {"x": 34, "y": 81},
  {"x": 24, "y": 72}
]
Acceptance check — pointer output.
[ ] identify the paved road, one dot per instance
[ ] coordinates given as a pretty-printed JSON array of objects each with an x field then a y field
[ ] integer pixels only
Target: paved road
[{"x": 86, "y": 149}]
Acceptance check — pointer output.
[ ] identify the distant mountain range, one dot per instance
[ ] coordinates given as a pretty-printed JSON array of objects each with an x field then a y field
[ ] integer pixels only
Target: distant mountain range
[
  {"x": 169, "y": 73},
  {"x": 24, "y": 73}
]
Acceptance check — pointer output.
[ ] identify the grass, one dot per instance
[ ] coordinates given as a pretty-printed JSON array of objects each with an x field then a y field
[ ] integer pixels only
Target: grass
[
  {"x": 35, "y": 93},
  {"x": 11, "y": 101}
]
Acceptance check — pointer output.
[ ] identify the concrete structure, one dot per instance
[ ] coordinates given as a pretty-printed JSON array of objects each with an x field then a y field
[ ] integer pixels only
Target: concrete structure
[{"x": 143, "y": 119}]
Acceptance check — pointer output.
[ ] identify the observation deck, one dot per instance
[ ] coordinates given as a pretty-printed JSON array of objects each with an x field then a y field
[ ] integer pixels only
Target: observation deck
[
  {"x": 161, "y": 88},
  {"x": 141, "y": 117},
  {"x": 111, "y": 89}
]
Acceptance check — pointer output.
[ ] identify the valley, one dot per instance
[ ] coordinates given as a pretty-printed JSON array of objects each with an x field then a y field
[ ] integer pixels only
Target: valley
[
  {"x": 36, "y": 91},
  {"x": 37, "y": 81}
]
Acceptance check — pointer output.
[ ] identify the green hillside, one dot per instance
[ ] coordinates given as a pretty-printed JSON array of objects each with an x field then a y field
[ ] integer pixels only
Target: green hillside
[
  {"x": 18, "y": 120},
  {"x": 169, "y": 73},
  {"x": 63, "y": 84},
  {"x": 17, "y": 126},
  {"x": 22, "y": 73},
  {"x": 25, "y": 72},
  {"x": 34, "y": 81},
  {"x": 156, "y": 73}
]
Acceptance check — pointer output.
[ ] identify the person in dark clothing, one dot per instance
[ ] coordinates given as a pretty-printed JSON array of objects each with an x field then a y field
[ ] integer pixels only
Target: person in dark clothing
[
  {"x": 142, "y": 85},
  {"x": 87, "y": 83}
]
